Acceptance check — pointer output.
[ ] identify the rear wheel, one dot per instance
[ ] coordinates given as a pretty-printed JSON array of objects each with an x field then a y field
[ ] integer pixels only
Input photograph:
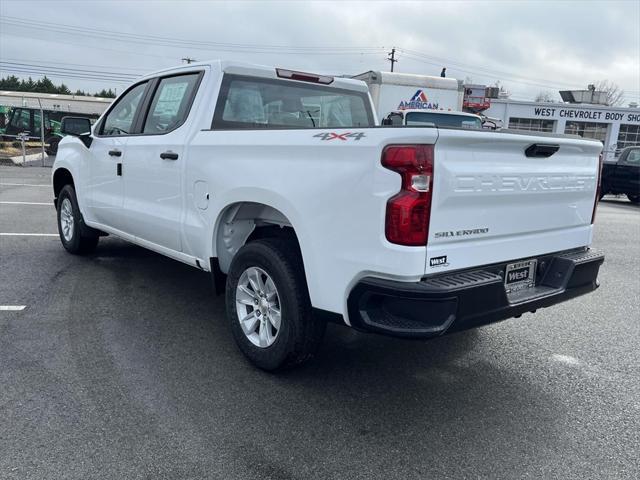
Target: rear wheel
[
  {"x": 76, "y": 238},
  {"x": 268, "y": 305},
  {"x": 633, "y": 198}
]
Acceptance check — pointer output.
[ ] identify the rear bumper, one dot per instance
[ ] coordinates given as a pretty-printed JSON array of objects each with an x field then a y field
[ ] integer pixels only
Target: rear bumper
[{"x": 457, "y": 301}]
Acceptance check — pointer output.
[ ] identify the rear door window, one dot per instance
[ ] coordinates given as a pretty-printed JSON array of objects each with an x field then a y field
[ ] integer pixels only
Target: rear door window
[
  {"x": 170, "y": 104},
  {"x": 252, "y": 103}
]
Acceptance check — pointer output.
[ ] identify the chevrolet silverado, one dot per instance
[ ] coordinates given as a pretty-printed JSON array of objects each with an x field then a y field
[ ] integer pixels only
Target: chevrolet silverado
[{"x": 281, "y": 184}]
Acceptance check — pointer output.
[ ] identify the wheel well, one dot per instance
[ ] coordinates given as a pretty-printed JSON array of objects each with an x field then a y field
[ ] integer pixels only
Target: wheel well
[
  {"x": 244, "y": 222},
  {"x": 61, "y": 177}
]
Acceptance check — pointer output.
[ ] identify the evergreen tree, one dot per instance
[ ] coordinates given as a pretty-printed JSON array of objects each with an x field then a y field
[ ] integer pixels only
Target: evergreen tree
[
  {"x": 28, "y": 86},
  {"x": 105, "y": 93},
  {"x": 45, "y": 85},
  {"x": 10, "y": 83}
]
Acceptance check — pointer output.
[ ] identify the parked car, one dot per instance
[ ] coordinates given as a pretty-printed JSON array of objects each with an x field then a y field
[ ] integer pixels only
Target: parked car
[
  {"x": 281, "y": 184},
  {"x": 447, "y": 119},
  {"x": 622, "y": 176}
]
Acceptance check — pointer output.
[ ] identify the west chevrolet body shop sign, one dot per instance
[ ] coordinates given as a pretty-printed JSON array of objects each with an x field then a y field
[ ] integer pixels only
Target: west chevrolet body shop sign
[{"x": 586, "y": 114}]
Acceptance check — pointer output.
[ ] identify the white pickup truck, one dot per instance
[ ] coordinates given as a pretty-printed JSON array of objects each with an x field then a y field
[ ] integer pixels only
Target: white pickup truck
[{"x": 281, "y": 185}]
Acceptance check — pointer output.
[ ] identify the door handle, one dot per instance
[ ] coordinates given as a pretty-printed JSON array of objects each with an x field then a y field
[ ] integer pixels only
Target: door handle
[
  {"x": 169, "y": 155},
  {"x": 115, "y": 153}
]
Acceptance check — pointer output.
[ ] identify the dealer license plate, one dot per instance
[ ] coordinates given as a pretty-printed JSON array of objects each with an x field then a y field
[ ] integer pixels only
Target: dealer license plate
[{"x": 521, "y": 275}]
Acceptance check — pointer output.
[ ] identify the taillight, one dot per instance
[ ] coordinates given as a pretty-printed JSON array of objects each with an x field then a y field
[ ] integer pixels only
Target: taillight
[
  {"x": 408, "y": 212},
  {"x": 598, "y": 187}
]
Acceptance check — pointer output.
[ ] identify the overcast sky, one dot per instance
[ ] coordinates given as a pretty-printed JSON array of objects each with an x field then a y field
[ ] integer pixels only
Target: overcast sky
[{"x": 529, "y": 46}]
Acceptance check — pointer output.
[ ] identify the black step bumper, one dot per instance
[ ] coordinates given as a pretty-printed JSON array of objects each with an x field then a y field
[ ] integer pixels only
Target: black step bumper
[{"x": 457, "y": 301}]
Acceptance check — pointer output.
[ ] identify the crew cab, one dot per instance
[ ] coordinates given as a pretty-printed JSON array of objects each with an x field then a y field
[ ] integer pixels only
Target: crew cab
[
  {"x": 281, "y": 184},
  {"x": 622, "y": 176}
]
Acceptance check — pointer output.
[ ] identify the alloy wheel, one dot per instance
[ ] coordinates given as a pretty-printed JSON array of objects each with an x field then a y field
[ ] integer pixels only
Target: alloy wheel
[{"x": 258, "y": 307}]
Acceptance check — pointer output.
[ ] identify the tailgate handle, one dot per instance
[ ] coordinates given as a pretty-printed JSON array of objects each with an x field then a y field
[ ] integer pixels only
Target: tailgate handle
[{"x": 541, "y": 150}]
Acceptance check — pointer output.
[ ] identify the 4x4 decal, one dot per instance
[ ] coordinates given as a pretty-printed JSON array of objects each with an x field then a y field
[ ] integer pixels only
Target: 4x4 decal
[{"x": 340, "y": 136}]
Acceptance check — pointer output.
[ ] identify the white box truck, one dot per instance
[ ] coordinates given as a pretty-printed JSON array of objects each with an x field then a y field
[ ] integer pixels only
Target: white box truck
[{"x": 391, "y": 91}]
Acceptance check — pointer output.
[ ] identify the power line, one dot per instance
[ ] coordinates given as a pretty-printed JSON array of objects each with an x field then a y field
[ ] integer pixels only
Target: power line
[
  {"x": 177, "y": 42},
  {"x": 474, "y": 68},
  {"x": 155, "y": 40},
  {"x": 67, "y": 77},
  {"x": 120, "y": 34},
  {"x": 94, "y": 47},
  {"x": 60, "y": 73},
  {"x": 492, "y": 73},
  {"x": 45, "y": 62},
  {"x": 69, "y": 70}
]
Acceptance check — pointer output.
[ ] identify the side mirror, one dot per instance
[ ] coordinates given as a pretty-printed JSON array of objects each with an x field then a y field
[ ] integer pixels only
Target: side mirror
[
  {"x": 394, "y": 118},
  {"x": 78, "y": 127}
]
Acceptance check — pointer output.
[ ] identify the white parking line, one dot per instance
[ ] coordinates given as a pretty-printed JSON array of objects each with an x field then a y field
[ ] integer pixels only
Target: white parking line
[
  {"x": 2, "y": 234},
  {"x": 24, "y": 185},
  {"x": 12, "y": 308},
  {"x": 26, "y": 203}
]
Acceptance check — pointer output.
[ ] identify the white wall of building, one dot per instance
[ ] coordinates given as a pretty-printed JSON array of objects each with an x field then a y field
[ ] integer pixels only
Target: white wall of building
[{"x": 52, "y": 101}]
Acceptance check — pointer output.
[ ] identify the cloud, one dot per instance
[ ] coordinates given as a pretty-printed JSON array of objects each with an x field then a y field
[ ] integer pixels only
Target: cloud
[{"x": 529, "y": 46}]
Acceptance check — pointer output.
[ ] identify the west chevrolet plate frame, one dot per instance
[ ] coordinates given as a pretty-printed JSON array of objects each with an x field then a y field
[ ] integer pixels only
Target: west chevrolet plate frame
[{"x": 520, "y": 275}]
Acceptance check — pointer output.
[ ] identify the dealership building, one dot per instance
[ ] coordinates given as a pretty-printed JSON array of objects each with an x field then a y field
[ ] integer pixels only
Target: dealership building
[{"x": 615, "y": 127}]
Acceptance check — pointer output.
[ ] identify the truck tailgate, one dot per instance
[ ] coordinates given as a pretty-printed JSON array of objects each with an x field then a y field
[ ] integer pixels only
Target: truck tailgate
[{"x": 492, "y": 202}]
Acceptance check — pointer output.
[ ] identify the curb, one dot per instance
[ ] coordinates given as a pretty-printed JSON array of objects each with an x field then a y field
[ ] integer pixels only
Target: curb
[{"x": 34, "y": 159}]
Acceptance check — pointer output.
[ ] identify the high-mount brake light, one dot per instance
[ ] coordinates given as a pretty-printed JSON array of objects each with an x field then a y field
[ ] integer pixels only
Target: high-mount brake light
[
  {"x": 598, "y": 189},
  {"x": 304, "y": 77},
  {"x": 409, "y": 211}
]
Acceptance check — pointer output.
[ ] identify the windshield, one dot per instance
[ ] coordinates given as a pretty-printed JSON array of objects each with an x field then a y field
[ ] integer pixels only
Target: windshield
[{"x": 443, "y": 120}]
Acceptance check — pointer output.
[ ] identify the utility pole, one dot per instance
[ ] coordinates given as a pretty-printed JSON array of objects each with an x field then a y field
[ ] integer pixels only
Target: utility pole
[
  {"x": 392, "y": 57},
  {"x": 41, "y": 129},
  {"x": 189, "y": 60}
]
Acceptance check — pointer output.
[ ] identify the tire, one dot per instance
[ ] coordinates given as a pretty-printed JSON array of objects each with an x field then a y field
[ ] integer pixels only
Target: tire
[
  {"x": 52, "y": 149},
  {"x": 298, "y": 334},
  {"x": 76, "y": 237},
  {"x": 633, "y": 198}
]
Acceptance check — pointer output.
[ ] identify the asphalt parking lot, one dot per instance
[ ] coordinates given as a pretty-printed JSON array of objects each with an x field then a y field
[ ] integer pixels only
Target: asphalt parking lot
[{"x": 121, "y": 366}]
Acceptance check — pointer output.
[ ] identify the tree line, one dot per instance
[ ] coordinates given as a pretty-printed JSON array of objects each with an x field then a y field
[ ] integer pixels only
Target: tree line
[{"x": 45, "y": 85}]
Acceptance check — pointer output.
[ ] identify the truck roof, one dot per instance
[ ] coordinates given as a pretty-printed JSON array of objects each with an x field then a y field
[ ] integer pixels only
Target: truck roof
[
  {"x": 256, "y": 70},
  {"x": 407, "y": 79}
]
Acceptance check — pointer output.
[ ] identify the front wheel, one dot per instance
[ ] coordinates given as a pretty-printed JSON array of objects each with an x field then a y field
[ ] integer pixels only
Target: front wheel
[
  {"x": 52, "y": 146},
  {"x": 633, "y": 198},
  {"x": 268, "y": 305},
  {"x": 75, "y": 238}
]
